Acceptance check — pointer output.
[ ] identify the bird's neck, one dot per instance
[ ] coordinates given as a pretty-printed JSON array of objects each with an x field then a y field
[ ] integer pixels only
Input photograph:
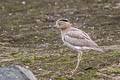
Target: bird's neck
[{"x": 65, "y": 27}]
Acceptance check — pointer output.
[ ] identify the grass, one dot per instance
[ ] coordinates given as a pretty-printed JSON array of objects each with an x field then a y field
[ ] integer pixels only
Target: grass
[
  {"x": 31, "y": 41},
  {"x": 56, "y": 66}
]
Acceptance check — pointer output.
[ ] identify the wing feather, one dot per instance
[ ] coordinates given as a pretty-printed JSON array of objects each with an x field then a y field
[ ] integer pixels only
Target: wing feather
[{"x": 77, "y": 37}]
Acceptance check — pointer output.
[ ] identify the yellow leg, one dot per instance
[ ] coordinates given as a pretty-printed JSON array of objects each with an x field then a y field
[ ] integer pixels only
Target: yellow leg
[{"x": 79, "y": 59}]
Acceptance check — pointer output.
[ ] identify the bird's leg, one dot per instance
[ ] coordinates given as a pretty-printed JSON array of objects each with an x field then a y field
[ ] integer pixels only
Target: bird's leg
[{"x": 79, "y": 59}]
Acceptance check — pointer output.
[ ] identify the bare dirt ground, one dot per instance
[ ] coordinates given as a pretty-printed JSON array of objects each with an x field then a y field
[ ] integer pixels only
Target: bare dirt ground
[{"x": 27, "y": 37}]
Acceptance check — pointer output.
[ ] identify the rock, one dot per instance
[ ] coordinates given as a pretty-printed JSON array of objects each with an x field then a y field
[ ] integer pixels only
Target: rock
[{"x": 16, "y": 72}]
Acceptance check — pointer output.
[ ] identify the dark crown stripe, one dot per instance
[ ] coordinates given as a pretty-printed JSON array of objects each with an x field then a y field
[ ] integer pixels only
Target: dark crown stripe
[{"x": 66, "y": 20}]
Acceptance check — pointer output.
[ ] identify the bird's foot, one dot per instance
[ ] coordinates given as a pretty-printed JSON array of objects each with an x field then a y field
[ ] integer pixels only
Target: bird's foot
[{"x": 73, "y": 72}]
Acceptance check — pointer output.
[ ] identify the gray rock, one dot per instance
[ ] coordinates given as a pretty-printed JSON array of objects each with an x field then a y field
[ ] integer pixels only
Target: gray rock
[{"x": 16, "y": 72}]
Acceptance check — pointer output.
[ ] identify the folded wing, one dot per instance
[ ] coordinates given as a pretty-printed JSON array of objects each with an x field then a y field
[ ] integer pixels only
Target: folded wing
[{"x": 79, "y": 38}]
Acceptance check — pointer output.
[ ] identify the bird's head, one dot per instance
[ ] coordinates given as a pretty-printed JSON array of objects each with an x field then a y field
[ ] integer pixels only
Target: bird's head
[{"x": 63, "y": 24}]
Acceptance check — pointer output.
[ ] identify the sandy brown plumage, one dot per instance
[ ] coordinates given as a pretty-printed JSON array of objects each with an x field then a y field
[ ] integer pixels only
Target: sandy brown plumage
[
  {"x": 79, "y": 39},
  {"x": 76, "y": 39}
]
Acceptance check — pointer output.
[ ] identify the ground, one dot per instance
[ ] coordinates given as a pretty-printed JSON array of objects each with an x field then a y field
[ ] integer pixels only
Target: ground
[{"x": 27, "y": 37}]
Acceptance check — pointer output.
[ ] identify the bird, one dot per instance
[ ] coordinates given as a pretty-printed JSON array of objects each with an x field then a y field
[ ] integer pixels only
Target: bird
[{"x": 76, "y": 39}]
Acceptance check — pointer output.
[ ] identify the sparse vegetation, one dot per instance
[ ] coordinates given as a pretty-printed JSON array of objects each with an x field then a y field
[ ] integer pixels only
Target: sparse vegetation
[{"x": 27, "y": 37}]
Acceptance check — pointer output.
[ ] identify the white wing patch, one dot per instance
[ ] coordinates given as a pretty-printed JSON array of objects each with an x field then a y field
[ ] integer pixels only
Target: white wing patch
[{"x": 82, "y": 48}]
